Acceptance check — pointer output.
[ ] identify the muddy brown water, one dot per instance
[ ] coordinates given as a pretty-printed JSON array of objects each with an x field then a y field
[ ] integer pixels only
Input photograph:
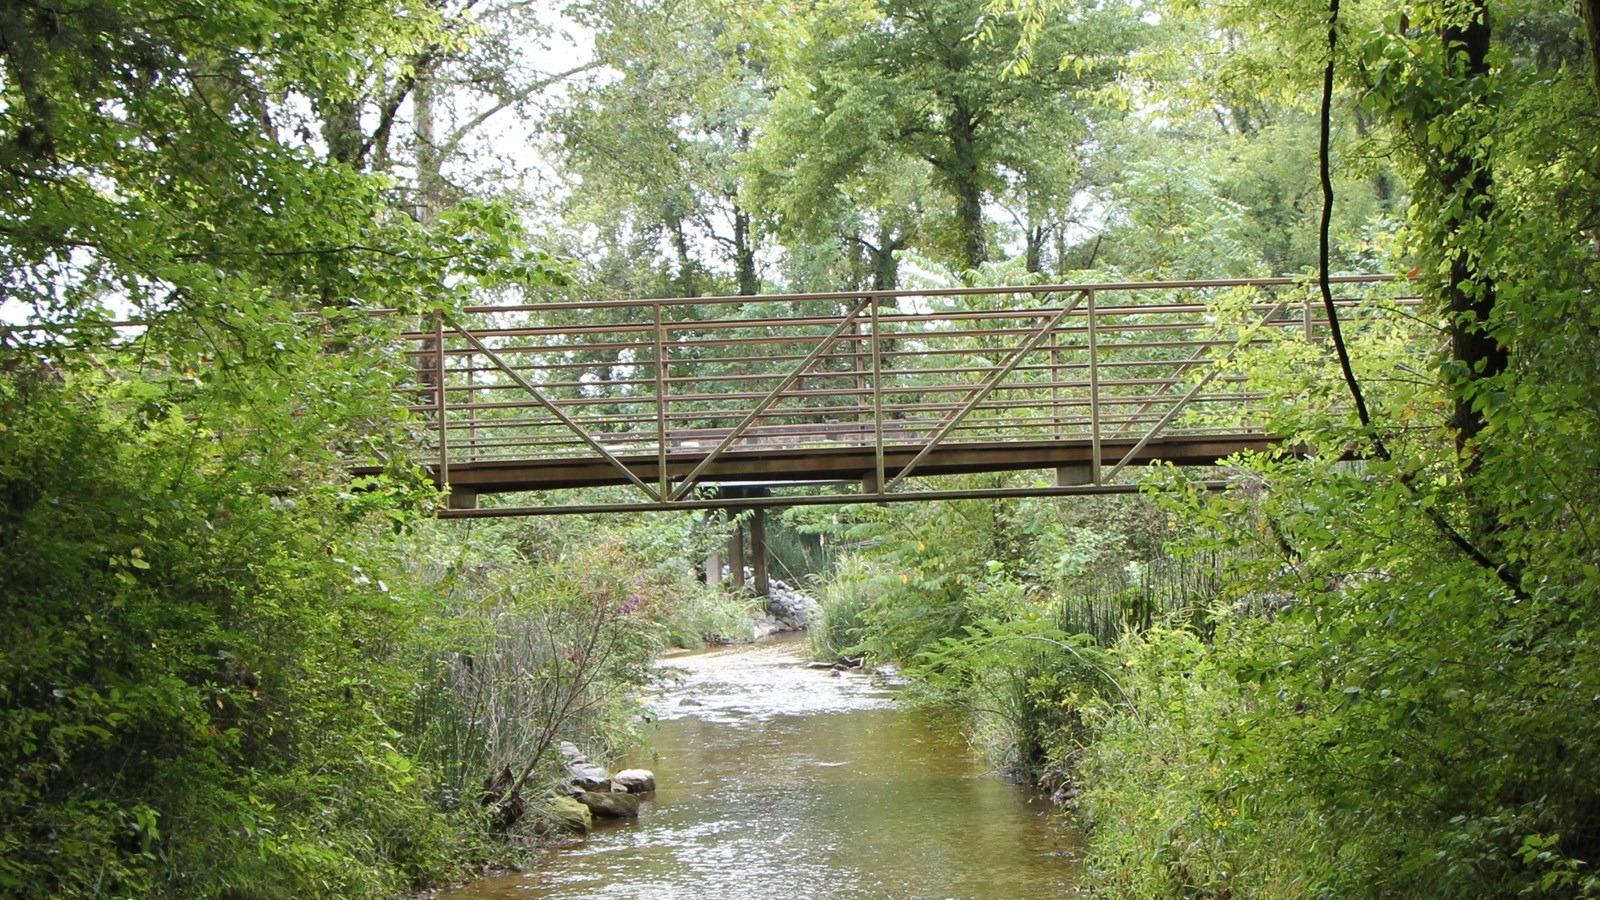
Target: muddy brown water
[{"x": 780, "y": 781}]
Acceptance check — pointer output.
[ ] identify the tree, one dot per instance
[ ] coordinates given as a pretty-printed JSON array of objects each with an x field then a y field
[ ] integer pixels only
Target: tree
[
  {"x": 202, "y": 651},
  {"x": 1441, "y": 100},
  {"x": 1410, "y": 698},
  {"x": 653, "y": 144},
  {"x": 462, "y": 95},
  {"x": 872, "y": 216},
  {"x": 911, "y": 83}
]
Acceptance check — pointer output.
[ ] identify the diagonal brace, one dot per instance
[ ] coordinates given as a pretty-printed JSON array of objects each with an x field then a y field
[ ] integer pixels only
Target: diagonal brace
[
  {"x": 985, "y": 388},
  {"x": 772, "y": 397},
  {"x": 1178, "y": 407},
  {"x": 565, "y": 419},
  {"x": 1183, "y": 366}
]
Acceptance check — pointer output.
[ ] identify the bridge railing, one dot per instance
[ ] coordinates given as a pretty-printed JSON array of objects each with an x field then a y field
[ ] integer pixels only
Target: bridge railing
[{"x": 663, "y": 389}]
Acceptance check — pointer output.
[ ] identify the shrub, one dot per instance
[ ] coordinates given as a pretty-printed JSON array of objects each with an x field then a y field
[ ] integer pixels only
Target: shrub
[{"x": 199, "y": 663}]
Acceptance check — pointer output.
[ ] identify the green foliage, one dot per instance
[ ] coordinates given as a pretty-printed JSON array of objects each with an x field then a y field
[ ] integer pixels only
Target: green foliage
[
  {"x": 905, "y": 96},
  {"x": 654, "y": 148},
  {"x": 1166, "y": 810},
  {"x": 933, "y": 555},
  {"x": 1371, "y": 676},
  {"x": 1382, "y": 713},
  {"x": 799, "y": 557},
  {"x": 1031, "y": 690},
  {"x": 210, "y": 677},
  {"x": 1385, "y": 706},
  {"x": 201, "y": 663},
  {"x": 670, "y": 548},
  {"x": 1392, "y": 694},
  {"x": 855, "y": 586},
  {"x": 663, "y": 551},
  {"x": 536, "y": 650},
  {"x": 1000, "y": 611},
  {"x": 158, "y": 156},
  {"x": 204, "y": 672}
]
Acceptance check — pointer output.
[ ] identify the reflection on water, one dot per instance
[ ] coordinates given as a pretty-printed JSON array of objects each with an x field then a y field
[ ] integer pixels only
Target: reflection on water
[{"x": 779, "y": 781}]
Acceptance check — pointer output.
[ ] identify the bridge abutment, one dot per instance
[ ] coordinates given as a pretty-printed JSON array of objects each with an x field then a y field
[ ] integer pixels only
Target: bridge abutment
[{"x": 1069, "y": 476}]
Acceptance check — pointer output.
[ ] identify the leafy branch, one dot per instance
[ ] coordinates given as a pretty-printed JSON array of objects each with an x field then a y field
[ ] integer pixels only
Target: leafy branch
[{"x": 1508, "y": 574}]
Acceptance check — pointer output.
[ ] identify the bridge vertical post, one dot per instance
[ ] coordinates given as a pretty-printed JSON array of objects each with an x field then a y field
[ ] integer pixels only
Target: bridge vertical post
[
  {"x": 472, "y": 407},
  {"x": 1055, "y": 383},
  {"x": 661, "y": 404},
  {"x": 1094, "y": 392},
  {"x": 1306, "y": 316},
  {"x": 857, "y": 346},
  {"x": 877, "y": 397},
  {"x": 439, "y": 401}
]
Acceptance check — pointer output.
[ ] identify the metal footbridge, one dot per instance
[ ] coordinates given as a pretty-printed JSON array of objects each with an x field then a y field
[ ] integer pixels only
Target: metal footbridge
[{"x": 725, "y": 402}]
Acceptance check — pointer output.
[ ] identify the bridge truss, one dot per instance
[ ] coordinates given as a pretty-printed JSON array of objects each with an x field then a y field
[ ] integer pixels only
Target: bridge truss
[{"x": 725, "y": 402}]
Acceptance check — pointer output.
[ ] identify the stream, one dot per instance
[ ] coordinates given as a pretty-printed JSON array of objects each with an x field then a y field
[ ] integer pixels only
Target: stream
[{"x": 780, "y": 781}]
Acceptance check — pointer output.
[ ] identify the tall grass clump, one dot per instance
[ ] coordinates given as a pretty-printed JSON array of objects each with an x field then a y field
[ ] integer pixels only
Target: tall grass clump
[{"x": 855, "y": 586}]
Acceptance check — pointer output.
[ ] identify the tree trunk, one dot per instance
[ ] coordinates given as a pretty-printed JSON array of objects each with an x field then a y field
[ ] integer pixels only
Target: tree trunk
[
  {"x": 965, "y": 175},
  {"x": 687, "y": 284},
  {"x": 430, "y": 180},
  {"x": 1591, "y": 26},
  {"x": 1382, "y": 187},
  {"x": 1466, "y": 182},
  {"x": 341, "y": 129},
  {"x": 744, "y": 248},
  {"x": 856, "y": 257},
  {"x": 885, "y": 268},
  {"x": 744, "y": 254},
  {"x": 1033, "y": 255}
]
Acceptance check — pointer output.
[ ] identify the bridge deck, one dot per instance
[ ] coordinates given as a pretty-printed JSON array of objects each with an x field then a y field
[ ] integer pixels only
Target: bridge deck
[
  {"x": 835, "y": 464},
  {"x": 672, "y": 396}
]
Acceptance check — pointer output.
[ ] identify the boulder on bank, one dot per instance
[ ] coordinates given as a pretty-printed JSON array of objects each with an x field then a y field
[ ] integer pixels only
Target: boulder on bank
[
  {"x": 564, "y": 815},
  {"x": 792, "y": 608},
  {"x": 763, "y": 626},
  {"x": 580, "y": 773},
  {"x": 786, "y": 609},
  {"x": 588, "y": 777},
  {"x": 636, "y": 781},
  {"x": 610, "y": 805}
]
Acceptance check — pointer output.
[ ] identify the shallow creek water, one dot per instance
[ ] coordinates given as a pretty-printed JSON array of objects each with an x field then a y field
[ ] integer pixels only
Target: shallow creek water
[{"x": 780, "y": 781}]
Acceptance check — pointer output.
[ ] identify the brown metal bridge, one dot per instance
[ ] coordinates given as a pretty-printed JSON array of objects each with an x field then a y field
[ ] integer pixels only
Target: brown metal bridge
[{"x": 740, "y": 401}]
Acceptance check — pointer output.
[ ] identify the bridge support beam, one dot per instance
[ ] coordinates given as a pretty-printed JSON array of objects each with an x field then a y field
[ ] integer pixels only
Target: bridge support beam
[
  {"x": 713, "y": 557},
  {"x": 736, "y": 557},
  {"x": 758, "y": 552}
]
